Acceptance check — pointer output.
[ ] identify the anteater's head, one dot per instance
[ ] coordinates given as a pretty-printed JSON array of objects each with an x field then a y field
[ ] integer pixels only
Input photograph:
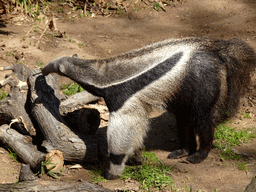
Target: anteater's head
[{"x": 58, "y": 65}]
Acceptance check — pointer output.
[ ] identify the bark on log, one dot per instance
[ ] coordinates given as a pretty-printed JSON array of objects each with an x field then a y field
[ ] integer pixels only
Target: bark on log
[
  {"x": 47, "y": 186},
  {"x": 77, "y": 101},
  {"x": 80, "y": 116},
  {"x": 45, "y": 109},
  {"x": 15, "y": 105},
  {"x": 22, "y": 146}
]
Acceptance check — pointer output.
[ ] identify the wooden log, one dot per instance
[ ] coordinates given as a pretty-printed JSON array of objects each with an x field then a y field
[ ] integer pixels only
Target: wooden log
[
  {"x": 79, "y": 115},
  {"x": 22, "y": 146},
  {"x": 77, "y": 101},
  {"x": 75, "y": 146},
  {"x": 46, "y": 186},
  {"x": 15, "y": 105}
]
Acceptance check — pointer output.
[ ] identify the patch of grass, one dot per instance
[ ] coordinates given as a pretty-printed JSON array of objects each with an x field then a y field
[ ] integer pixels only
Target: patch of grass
[
  {"x": 36, "y": 29},
  {"x": 157, "y": 6},
  {"x": 136, "y": 8},
  {"x": 226, "y": 137},
  {"x": 39, "y": 64},
  {"x": 3, "y": 94},
  {"x": 50, "y": 171},
  {"x": 70, "y": 40},
  {"x": 13, "y": 155},
  {"x": 60, "y": 9},
  {"x": 24, "y": 38},
  {"x": 80, "y": 45},
  {"x": 152, "y": 172},
  {"x": 97, "y": 176},
  {"x": 246, "y": 115},
  {"x": 107, "y": 8},
  {"x": 242, "y": 167},
  {"x": 10, "y": 54},
  {"x": 82, "y": 15},
  {"x": 229, "y": 154},
  {"x": 71, "y": 88},
  {"x": 119, "y": 10}
]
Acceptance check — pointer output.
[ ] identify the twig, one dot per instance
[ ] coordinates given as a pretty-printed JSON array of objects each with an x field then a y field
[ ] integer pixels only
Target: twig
[
  {"x": 54, "y": 24},
  {"x": 46, "y": 27},
  {"x": 30, "y": 30}
]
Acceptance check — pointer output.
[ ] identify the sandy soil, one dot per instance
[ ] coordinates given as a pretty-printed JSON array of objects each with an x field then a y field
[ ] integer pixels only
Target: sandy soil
[{"x": 104, "y": 37}]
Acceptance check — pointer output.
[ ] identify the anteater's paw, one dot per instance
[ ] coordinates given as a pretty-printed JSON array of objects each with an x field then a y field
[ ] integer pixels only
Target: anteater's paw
[
  {"x": 110, "y": 176},
  {"x": 197, "y": 157},
  {"x": 135, "y": 159},
  {"x": 178, "y": 154}
]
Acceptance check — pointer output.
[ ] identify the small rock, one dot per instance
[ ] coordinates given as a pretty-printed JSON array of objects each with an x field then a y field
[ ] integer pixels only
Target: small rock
[{"x": 24, "y": 46}]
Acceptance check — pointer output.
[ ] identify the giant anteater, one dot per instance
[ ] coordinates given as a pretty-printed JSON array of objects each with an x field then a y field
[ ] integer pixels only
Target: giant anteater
[{"x": 199, "y": 80}]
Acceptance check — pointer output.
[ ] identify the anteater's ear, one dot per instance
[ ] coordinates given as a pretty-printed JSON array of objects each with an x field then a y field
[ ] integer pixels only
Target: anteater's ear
[
  {"x": 62, "y": 69},
  {"x": 75, "y": 56}
]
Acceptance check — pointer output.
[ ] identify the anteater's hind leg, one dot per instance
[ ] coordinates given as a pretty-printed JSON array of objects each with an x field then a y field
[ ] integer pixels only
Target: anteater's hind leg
[
  {"x": 205, "y": 131},
  {"x": 186, "y": 135}
]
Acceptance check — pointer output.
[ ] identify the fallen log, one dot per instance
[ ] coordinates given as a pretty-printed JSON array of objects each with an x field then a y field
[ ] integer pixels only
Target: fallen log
[
  {"x": 79, "y": 115},
  {"x": 76, "y": 147},
  {"x": 22, "y": 146},
  {"x": 15, "y": 105},
  {"x": 47, "y": 186},
  {"x": 65, "y": 126}
]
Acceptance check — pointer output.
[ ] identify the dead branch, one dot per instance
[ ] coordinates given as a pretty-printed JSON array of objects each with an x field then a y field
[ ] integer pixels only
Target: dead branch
[
  {"x": 45, "y": 109},
  {"x": 22, "y": 146},
  {"x": 45, "y": 186}
]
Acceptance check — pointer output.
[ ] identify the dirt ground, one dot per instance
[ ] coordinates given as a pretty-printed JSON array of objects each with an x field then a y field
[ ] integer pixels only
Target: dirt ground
[{"x": 102, "y": 37}]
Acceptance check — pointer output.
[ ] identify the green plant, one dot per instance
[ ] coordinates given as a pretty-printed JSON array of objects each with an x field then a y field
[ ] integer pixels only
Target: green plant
[
  {"x": 26, "y": 6},
  {"x": 80, "y": 45},
  {"x": 157, "y": 6},
  {"x": 246, "y": 115},
  {"x": 70, "y": 40},
  {"x": 39, "y": 64},
  {"x": 10, "y": 54},
  {"x": 119, "y": 10},
  {"x": 13, "y": 155},
  {"x": 226, "y": 137},
  {"x": 107, "y": 8},
  {"x": 152, "y": 172},
  {"x": 242, "y": 166},
  {"x": 71, "y": 88},
  {"x": 60, "y": 9},
  {"x": 229, "y": 154},
  {"x": 24, "y": 38},
  {"x": 87, "y": 13},
  {"x": 49, "y": 171},
  {"x": 97, "y": 176},
  {"x": 189, "y": 189},
  {"x": 82, "y": 15},
  {"x": 3, "y": 94},
  {"x": 36, "y": 29},
  {"x": 136, "y": 8}
]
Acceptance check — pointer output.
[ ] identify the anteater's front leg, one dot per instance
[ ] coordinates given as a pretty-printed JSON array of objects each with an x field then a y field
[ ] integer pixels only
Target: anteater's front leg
[{"x": 126, "y": 131}]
